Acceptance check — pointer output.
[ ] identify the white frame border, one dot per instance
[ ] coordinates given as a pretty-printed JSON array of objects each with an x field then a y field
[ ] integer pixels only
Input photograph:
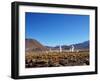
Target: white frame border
[{"x": 54, "y": 70}]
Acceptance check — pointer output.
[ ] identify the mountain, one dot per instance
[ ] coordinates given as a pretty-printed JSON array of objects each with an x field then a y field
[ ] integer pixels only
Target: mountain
[
  {"x": 64, "y": 47},
  {"x": 32, "y": 44},
  {"x": 83, "y": 45}
]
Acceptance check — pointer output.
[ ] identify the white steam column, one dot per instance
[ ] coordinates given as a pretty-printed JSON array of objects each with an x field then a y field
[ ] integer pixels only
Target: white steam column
[
  {"x": 72, "y": 48},
  {"x": 60, "y": 48}
]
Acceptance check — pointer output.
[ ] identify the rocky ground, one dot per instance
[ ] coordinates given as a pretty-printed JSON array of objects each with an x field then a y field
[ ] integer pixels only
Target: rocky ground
[{"x": 33, "y": 60}]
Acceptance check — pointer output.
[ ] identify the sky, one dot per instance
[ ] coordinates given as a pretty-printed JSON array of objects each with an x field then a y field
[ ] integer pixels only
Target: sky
[{"x": 56, "y": 29}]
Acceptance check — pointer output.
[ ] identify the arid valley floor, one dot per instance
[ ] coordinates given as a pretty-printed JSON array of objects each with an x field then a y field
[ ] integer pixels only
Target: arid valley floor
[{"x": 56, "y": 59}]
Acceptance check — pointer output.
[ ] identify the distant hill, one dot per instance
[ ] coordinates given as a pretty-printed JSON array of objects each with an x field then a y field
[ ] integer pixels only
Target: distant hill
[
  {"x": 64, "y": 47},
  {"x": 83, "y": 45},
  {"x": 33, "y": 45}
]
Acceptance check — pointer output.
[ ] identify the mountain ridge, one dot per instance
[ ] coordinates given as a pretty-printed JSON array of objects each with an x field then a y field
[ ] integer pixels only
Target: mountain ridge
[{"x": 34, "y": 45}]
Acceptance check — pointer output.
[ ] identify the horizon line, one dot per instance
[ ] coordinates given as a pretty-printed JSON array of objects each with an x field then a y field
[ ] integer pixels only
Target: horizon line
[{"x": 57, "y": 44}]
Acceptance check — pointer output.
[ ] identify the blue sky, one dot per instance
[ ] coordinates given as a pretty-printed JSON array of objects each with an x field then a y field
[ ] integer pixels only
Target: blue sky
[{"x": 55, "y": 29}]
